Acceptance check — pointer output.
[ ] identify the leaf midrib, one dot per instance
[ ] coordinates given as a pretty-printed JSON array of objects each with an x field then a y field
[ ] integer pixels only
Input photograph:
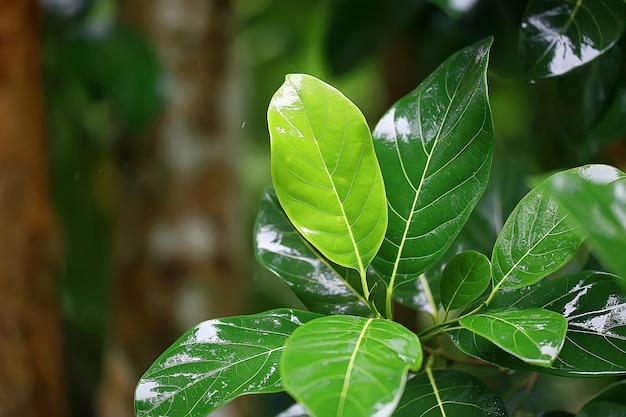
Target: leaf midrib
[{"x": 346, "y": 380}]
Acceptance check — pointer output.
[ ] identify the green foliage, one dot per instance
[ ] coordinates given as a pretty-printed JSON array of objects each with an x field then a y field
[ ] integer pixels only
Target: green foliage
[{"x": 353, "y": 216}]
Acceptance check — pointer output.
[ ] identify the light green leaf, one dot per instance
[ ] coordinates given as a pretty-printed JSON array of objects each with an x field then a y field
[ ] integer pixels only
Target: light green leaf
[
  {"x": 349, "y": 366},
  {"x": 536, "y": 336},
  {"x": 464, "y": 279},
  {"x": 435, "y": 147},
  {"x": 557, "y": 36},
  {"x": 449, "y": 393},
  {"x": 217, "y": 361},
  {"x": 534, "y": 242},
  {"x": 594, "y": 196},
  {"x": 325, "y": 172}
]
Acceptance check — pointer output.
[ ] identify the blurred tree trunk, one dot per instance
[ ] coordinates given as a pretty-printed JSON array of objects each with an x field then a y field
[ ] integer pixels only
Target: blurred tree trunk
[
  {"x": 179, "y": 245},
  {"x": 31, "y": 382}
]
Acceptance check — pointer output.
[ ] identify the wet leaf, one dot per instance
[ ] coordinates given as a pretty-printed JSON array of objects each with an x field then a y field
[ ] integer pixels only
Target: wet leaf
[
  {"x": 320, "y": 285},
  {"x": 557, "y": 36},
  {"x": 217, "y": 361},
  {"x": 449, "y": 393},
  {"x": 434, "y": 147},
  {"x": 594, "y": 196},
  {"x": 325, "y": 172},
  {"x": 464, "y": 279},
  {"x": 594, "y": 305},
  {"x": 349, "y": 366},
  {"x": 535, "y": 336},
  {"x": 534, "y": 242}
]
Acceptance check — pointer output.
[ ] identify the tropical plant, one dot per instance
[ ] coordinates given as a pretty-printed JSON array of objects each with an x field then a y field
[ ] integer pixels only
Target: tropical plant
[{"x": 358, "y": 221}]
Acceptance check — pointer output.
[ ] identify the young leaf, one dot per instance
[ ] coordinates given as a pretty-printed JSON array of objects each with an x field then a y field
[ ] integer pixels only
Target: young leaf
[
  {"x": 325, "y": 172},
  {"x": 449, "y": 393},
  {"x": 321, "y": 285},
  {"x": 217, "y": 361},
  {"x": 594, "y": 304},
  {"x": 535, "y": 336},
  {"x": 434, "y": 147},
  {"x": 534, "y": 242},
  {"x": 594, "y": 196},
  {"x": 559, "y": 36},
  {"x": 464, "y": 279},
  {"x": 349, "y": 366}
]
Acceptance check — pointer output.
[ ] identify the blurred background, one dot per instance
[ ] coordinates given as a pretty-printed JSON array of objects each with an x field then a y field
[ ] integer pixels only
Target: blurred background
[{"x": 134, "y": 149}]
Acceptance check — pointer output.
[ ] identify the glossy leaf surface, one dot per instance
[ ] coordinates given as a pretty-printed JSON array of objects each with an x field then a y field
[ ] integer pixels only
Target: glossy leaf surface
[
  {"x": 449, "y": 393},
  {"x": 349, "y": 366},
  {"x": 217, "y": 361},
  {"x": 594, "y": 304},
  {"x": 557, "y": 36},
  {"x": 325, "y": 172},
  {"x": 434, "y": 147},
  {"x": 464, "y": 279},
  {"x": 318, "y": 283},
  {"x": 534, "y": 242},
  {"x": 533, "y": 335},
  {"x": 594, "y": 196}
]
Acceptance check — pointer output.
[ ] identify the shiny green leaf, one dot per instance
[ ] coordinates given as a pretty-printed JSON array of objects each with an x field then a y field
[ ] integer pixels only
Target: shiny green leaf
[
  {"x": 320, "y": 285},
  {"x": 557, "y": 36},
  {"x": 464, "y": 279},
  {"x": 434, "y": 147},
  {"x": 534, "y": 242},
  {"x": 349, "y": 366},
  {"x": 536, "y": 336},
  {"x": 594, "y": 196},
  {"x": 449, "y": 393},
  {"x": 217, "y": 361},
  {"x": 325, "y": 171},
  {"x": 594, "y": 304}
]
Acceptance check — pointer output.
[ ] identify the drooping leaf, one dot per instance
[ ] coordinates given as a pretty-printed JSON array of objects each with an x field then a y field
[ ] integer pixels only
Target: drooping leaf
[
  {"x": 449, "y": 393},
  {"x": 594, "y": 304},
  {"x": 464, "y": 279},
  {"x": 349, "y": 366},
  {"x": 321, "y": 285},
  {"x": 536, "y": 336},
  {"x": 594, "y": 196},
  {"x": 557, "y": 36},
  {"x": 434, "y": 147},
  {"x": 217, "y": 361},
  {"x": 534, "y": 242},
  {"x": 325, "y": 172}
]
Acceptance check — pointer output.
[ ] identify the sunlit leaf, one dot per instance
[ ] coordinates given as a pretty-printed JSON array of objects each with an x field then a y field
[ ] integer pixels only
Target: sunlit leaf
[
  {"x": 534, "y": 242},
  {"x": 535, "y": 336},
  {"x": 594, "y": 304},
  {"x": 217, "y": 361},
  {"x": 449, "y": 393},
  {"x": 434, "y": 147},
  {"x": 464, "y": 279},
  {"x": 594, "y": 196},
  {"x": 349, "y": 366},
  {"x": 325, "y": 172},
  {"x": 557, "y": 36},
  {"x": 320, "y": 284}
]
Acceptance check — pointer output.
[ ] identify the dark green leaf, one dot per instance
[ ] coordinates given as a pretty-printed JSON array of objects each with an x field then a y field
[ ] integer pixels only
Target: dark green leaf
[
  {"x": 594, "y": 196},
  {"x": 594, "y": 304},
  {"x": 557, "y": 36},
  {"x": 536, "y": 336},
  {"x": 434, "y": 147},
  {"x": 464, "y": 279},
  {"x": 320, "y": 284},
  {"x": 349, "y": 366},
  {"x": 217, "y": 361},
  {"x": 325, "y": 171},
  {"x": 449, "y": 393},
  {"x": 603, "y": 409}
]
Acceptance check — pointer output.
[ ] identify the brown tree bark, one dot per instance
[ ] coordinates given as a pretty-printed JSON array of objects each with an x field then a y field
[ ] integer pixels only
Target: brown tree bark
[
  {"x": 31, "y": 382},
  {"x": 180, "y": 242}
]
